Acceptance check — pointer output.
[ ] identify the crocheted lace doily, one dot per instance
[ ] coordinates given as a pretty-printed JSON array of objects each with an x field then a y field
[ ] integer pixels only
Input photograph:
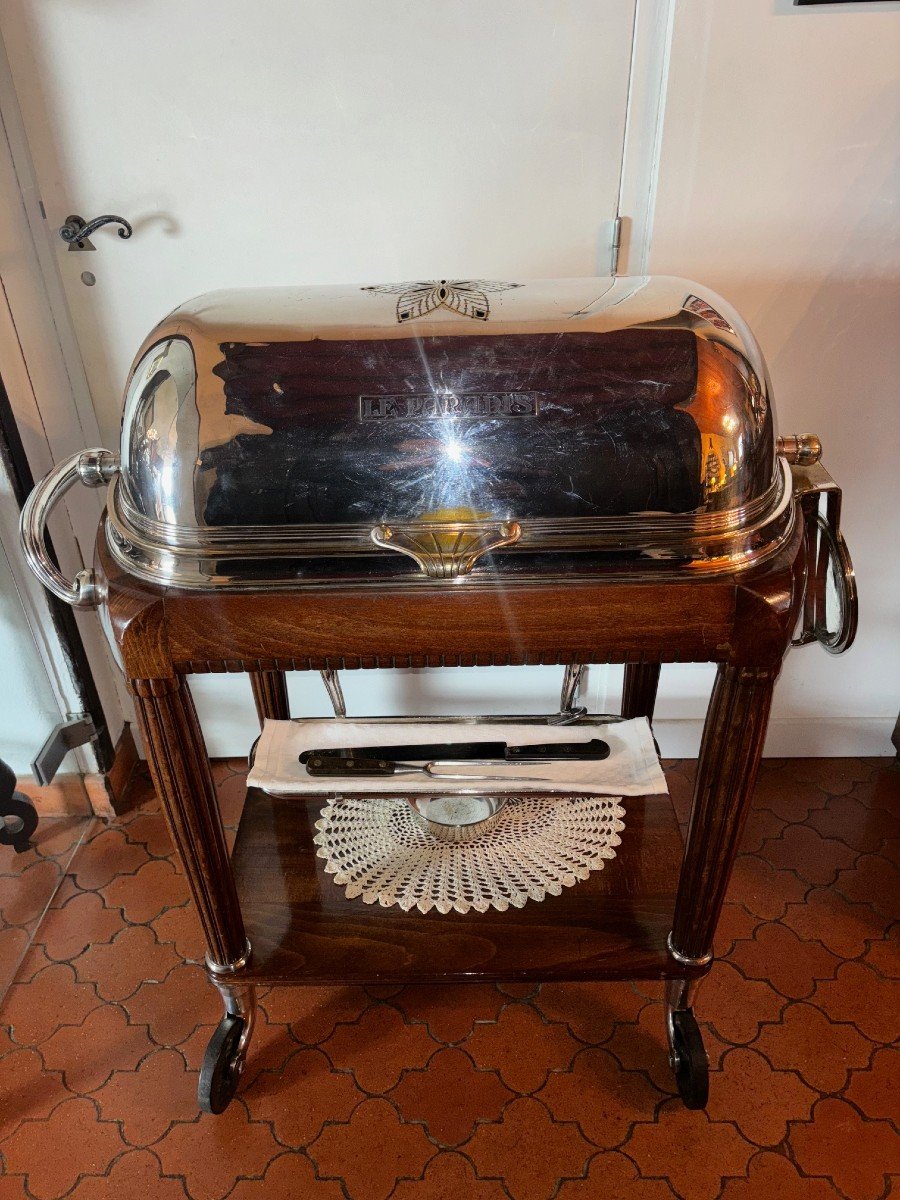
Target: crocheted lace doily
[{"x": 375, "y": 848}]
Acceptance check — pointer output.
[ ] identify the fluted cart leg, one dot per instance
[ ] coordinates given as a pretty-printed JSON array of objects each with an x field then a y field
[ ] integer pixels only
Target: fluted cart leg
[
  {"x": 179, "y": 765},
  {"x": 270, "y": 695},
  {"x": 730, "y": 753},
  {"x": 639, "y": 690}
]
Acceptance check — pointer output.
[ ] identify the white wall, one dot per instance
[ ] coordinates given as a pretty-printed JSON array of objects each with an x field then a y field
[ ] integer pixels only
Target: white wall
[
  {"x": 28, "y": 709},
  {"x": 778, "y": 187},
  {"x": 774, "y": 189}
]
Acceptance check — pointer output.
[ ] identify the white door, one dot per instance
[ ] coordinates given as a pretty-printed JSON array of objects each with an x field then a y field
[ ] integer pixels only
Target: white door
[{"x": 318, "y": 141}]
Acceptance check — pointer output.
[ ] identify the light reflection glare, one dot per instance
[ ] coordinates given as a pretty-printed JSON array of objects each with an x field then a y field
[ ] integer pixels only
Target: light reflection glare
[{"x": 454, "y": 450}]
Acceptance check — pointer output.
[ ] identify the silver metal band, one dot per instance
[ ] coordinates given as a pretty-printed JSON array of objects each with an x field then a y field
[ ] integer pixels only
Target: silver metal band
[
  {"x": 232, "y": 967},
  {"x": 686, "y": 959}
]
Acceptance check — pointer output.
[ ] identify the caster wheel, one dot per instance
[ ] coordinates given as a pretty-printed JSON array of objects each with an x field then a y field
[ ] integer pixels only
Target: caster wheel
[
  {"x": 690, "y": 1064},
  {"x": 18, "y": 821},
  {"x": 221, "y": 1070}
]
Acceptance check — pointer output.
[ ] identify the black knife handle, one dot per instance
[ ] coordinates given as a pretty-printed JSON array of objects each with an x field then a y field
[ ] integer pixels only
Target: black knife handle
[
  {"x": 594, "y": 750},
  {"x": 336, "y": 767}
]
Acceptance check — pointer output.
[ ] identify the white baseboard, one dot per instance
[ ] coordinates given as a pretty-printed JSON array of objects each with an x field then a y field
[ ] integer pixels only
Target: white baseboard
[{"x": 792, "y": 737}]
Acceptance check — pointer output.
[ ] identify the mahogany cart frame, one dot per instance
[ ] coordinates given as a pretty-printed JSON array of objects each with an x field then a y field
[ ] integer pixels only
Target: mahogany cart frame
[{"x": 271, "y": 916}]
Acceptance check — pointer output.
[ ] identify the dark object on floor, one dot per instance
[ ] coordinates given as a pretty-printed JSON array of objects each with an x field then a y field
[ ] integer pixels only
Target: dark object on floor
[{"x": 17, "y": 813}]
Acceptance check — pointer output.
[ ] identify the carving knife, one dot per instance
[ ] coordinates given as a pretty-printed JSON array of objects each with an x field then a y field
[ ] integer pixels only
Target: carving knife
[{"x": 593, "y": 750}]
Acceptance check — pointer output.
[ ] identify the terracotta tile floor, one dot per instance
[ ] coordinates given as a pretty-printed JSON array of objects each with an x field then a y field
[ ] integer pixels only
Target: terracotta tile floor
[{"x": 480, "y": 1093}]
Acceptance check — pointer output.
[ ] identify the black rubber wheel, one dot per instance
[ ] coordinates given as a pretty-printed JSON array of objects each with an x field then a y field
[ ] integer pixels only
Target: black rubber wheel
[
  {"x": 691, "y": 1064},
  {"x": 220, "y": 1073},
  {"x": 18, "y": 821}
]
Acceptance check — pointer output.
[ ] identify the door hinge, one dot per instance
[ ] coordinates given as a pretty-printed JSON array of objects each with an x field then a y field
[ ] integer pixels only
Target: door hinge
[
  {"x": 615, "y": 246},
  {"x": 76, "y": 730}
]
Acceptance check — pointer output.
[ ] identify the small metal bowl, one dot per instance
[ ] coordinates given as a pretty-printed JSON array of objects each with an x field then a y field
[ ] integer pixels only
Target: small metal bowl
[{"x": 459, "y": 816}]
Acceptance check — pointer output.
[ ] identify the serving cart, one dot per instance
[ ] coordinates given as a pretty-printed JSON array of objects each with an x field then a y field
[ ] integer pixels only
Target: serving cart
[{"x": 729, "y": 561}]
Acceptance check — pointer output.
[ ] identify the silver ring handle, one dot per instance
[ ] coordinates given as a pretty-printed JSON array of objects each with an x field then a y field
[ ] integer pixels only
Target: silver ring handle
[{"x": 93, "y": 468}]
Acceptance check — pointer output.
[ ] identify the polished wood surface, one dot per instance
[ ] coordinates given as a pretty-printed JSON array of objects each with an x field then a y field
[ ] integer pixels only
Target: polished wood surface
[
  {"x": 270, "y": 695},
  {"x": 179, "y": 765},
  {"x": 615, "y": 925},
  {"x": 639, "y": 690},
  {"x": 730, "y": 751},
  {"x": 303, "y": 928},
  {"x": 743, "y": 618}
]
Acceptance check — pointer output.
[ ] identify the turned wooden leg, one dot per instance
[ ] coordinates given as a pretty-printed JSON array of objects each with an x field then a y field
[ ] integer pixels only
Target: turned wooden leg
[
  {"x": 732, "y": 746},
  {"x": 270, "y": 695},
  {"x": 639, "y": 690},
  {"x": 179, "y": 764}
]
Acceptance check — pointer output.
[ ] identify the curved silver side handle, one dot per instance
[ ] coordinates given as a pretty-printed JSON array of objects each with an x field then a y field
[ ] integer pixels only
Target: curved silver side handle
[
  {"x": 93, "y": 468},
  {"x": 834, "y": 557},
  {"x": 829, "y": 562}
]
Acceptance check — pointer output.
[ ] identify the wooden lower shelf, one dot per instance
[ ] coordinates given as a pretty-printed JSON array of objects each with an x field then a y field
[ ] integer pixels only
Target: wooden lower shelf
[{"x": 304, "y": 930}]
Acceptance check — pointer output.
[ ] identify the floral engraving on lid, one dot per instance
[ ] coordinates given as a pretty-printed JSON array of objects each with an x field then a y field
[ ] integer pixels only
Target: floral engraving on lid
[{"x": 467, "y": 297}]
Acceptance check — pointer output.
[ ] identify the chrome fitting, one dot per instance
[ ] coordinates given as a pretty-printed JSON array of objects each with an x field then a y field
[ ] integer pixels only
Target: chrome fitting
[
  {"x": 685, "y": 959},
  {"x": 800, "y": 448},
  {"x": 232, "y": 967}
]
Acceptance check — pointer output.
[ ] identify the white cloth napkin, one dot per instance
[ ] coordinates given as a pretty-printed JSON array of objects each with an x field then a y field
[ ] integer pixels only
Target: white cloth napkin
[{"x": 632, "y": 768}]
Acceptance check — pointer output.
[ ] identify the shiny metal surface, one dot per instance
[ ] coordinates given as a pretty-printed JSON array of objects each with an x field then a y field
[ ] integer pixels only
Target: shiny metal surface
[
  {"x": 457, "y": 817},
  {"x": 275, "y": 426},
  {"x": 454, "y": 432},
  {"x": 573, "y": 676},
  {"x": 800, "y": 448},
  {"x": 94, "y": 468},
  {"x": 446, "y": 549},
  {"x": 831, "y": 571},
  {"x": 332, "y": 682}
]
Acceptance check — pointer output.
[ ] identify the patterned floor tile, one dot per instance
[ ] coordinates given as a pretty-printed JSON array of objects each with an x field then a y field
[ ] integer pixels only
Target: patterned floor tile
[
  {"x": 613, "y": 1175},
  {"x": 379, "y": 1047},
  {"x": 451, "y": 1012},
  {"x": 175, "y": 1007},
  {"x": 118, "y": 968},
  {"x": 530, "y": 1150},
  {"x": 449, "y": 1176},
  {"x": 29, "y": 1089},
  {"x": 782, "y": 1096},
  {"x": 602, "y": 1099},
  {"x": 772, "y": 1176},
  {"x": 71, "y": 1142},
  {"x": 51, "y": 999},
  {"x": 450, "y": 1096},
  {"x": 87, "y": 1054},
  {"x": 822, "y": 1051},
  {"x": 860, "y": 995},
  {"x": 860, "y": 1156},
  {"x": 135, "y": 1174},
  {"x": 83, "y": 921},
  {"x": 883, "y": 954},
  {"x": 693, "y": 1152},
  {"x": 147, "y": 1099},
  {"x": 212, "y": 1153},
  {"x": 412, "y": 1093},
  {"x": 154, "y": 887},
  {"x": 303, "y": 1097},
  {"x": 873, "y": 880},
  {"x": 371, "y": 1151},
  {"x": 314, "y": 1013},
  {"x": 290, "y": 1176},
  {"x": 876, "y": 1091},
  {"x": 736, "y": 1006},
  {"x": 842, "y": 926},
  {"x": 816, "y": 859},
  {"x": 590, "y": 1010},
  {"x": 522, "y": 1048},
  {"x": 792, "y": 966}
]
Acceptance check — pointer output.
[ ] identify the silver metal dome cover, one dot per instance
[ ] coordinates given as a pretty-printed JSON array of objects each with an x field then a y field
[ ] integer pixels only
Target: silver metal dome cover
[{"x": 266, "y": 429}]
